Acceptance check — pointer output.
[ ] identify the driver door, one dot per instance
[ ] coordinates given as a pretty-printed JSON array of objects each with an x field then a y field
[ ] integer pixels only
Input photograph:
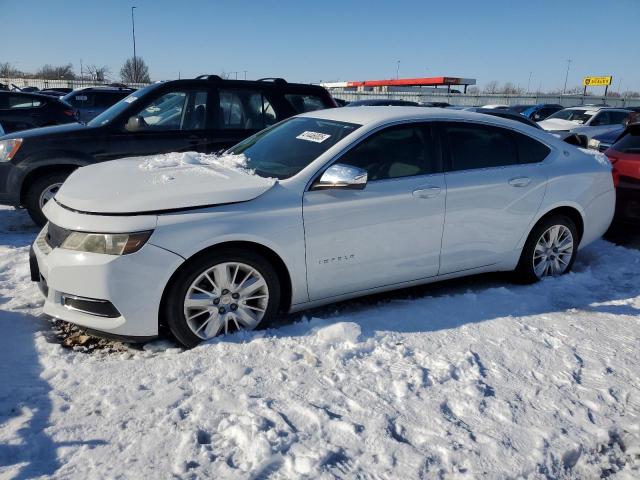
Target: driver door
[
  {"x": 175, "y": 121},
  {"x": 387, "y": 233}
]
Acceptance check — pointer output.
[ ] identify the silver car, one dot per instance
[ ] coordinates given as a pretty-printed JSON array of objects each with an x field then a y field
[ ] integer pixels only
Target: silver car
[{"x": 321, "y": 207}]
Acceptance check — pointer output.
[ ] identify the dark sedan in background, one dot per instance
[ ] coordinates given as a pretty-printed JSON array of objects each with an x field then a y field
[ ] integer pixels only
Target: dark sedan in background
[{"x": 21, "y": 111}]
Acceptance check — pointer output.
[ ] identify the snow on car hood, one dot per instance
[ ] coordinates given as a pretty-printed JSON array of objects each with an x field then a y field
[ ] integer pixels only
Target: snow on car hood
[
  {"x": 552, "y": 124},
  {"x": 161, "y": 182}
]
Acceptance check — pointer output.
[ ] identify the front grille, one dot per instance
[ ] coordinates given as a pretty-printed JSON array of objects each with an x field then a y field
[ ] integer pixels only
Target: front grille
[{"x": 56, "y": 235}]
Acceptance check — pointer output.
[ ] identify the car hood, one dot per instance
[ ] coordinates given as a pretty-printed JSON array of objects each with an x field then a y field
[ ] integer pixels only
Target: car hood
[
  {"x": 161, "y": 183},
  {"x": 63, "y": 129},
  {"x": 552, "y": 124}
]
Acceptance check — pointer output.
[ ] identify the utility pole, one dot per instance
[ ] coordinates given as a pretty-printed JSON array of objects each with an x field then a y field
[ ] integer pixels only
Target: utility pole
[
  {"x": 135, "y": 61},
  {"x": 398, "y": 70},
  {"x": 564, "y": 90},
  {"x": 529, "y": 82},
  {"x": 81, "y": 76},
  {"x": 245, "y": 74}
]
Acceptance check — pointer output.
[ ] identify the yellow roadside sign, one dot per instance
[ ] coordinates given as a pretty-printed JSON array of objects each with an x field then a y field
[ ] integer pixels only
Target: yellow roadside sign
[{"x": 597, "y": 81}]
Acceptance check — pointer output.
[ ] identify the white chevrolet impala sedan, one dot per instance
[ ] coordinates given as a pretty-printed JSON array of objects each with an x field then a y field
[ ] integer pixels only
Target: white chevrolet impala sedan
[{"x": 319, "y": 208}]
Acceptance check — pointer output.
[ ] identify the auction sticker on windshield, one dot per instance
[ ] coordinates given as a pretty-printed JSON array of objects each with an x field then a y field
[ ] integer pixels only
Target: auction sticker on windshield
[
  {"x": 313, "y": 136},
  {"x": 130, "y": 99}
]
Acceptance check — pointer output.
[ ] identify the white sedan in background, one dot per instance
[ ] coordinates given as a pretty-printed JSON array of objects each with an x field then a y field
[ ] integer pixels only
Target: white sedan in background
[
  {"x": 322, "y": 207},
  {"x": 587, "y": 121}
]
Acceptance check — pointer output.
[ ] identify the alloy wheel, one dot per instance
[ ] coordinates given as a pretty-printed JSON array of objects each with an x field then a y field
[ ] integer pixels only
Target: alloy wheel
[
  {"x": 553, "y": 252},
  {"x": 227, "y": 297},
  {"x": 48, "y": 193}
]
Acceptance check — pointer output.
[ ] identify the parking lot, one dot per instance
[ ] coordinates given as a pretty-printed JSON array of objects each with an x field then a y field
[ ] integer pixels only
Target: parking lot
[{"x": 465, "y": 378}]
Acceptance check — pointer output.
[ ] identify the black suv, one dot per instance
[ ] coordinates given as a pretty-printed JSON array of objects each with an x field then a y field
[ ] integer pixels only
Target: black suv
[
  {"x": 90, "y": 102},
  {"x": 206, "y": 114},
  {"x": 20, "y": 111}
]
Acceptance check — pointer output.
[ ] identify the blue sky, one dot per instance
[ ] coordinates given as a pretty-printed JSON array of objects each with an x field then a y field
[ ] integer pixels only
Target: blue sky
[{"x": 328, "y": 40}]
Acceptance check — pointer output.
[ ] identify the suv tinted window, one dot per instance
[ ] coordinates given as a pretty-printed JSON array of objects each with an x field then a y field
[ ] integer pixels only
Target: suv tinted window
[
  {"x": 479, "y": 146},
  {"x": 630, "y": 142},
  {"x": 305, "y": 103},
  {"x": 395, "y": 152},
  {"x": 106, "y": 99},
  {"x": 184, "y": 110},
  {"x": 618, "y": 117},
  {"x": 245, "y": 109}
]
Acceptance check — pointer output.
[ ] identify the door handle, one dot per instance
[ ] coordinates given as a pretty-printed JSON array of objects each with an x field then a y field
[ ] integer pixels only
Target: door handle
[
  {"x": 519, "y": 181},
  {"x": 427, "y": 192}
]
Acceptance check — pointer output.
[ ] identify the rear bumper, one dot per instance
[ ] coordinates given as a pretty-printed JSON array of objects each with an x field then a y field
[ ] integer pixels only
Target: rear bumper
[
  {"x": 115, "y": 295},
  {"x": 628, "y": 200}
]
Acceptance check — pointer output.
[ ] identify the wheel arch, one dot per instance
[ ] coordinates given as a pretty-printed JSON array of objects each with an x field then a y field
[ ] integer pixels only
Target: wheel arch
[
  {"x": 53, "y": 166},
  {"x": 284, "y": 276},
  {"x": 573, "y": 212}
]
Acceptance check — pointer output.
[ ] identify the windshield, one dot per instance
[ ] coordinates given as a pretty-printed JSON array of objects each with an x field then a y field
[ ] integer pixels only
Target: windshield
[
  {"x": 286, "y": 148},
  {"x": 112, "y": 112},
  {"x": 578, "y": 116}
]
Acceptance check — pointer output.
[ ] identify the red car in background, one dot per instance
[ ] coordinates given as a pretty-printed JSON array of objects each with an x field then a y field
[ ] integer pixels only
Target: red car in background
[{"x": 624, "y": 155}]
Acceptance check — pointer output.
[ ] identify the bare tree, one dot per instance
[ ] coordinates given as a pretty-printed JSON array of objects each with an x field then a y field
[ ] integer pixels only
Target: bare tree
[
  {"x": 510, "y": 89},
  {"x": 98, "y": 74},
  {"x": 7, "y": 70},
  {"x": 473, "y": 90},
  {"x": 56, "y": 72},
  {"x": 491, "y": 87},
  {"x": 135, "y": 72},
  {"x": 630, "y": 94}
]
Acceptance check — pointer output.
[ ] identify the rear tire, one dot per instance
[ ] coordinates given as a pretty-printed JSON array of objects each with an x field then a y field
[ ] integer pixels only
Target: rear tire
[
  {"x": 40, "y": 192},
  {"x": 550, "y": 250},
  {"x": 200, "y": 304}
]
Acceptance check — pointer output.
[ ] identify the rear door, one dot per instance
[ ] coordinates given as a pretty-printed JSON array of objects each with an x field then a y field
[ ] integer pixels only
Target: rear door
[
  {"x": 173, "y": 121},
  {"x": 495, "y": 185}
]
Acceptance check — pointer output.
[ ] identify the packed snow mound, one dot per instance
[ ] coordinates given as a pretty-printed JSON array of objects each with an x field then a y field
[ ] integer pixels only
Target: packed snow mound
[
  {"x": 191, "y": 160},
  {"x": 341, "y": 332},
  {"x": 599, "y": 156}
]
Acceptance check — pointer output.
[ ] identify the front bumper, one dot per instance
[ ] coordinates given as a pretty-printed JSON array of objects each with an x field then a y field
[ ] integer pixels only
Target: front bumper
[
  {"x": 8, "y": 194},
  {"x": 132, "y": 284}
]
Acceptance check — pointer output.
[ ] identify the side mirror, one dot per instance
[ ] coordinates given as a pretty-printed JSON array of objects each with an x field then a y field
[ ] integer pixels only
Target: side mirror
[
  {"x": 135, "y": 124},
  {"x": 343, "y": 177}
]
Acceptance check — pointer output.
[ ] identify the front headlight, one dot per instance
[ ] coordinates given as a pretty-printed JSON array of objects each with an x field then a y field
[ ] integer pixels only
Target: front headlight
[
  {"x": 108, "y": 243},
  {"x": 8, "y": 148},
  {"x": 593, "y": 143}
]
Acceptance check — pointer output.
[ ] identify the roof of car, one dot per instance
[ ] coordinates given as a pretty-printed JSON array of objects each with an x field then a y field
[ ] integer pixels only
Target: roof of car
[
  {"x": 103, "y": 88},
  {"x": 382, "y": 115}
]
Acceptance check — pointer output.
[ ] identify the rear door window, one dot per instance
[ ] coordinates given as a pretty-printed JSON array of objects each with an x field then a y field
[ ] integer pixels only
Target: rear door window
[
  {"x": 479, "y": 146},
  {"x": 245, "y": 109},
  {"x": 305, "y": 103},
  {"x": 529, "y": 149}
]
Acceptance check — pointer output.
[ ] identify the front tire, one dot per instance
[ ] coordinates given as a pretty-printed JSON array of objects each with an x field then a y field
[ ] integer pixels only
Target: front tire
[
  {"x": 550, "y": 250},
  {"x": 220, "y": 293},
  {"x": 40, "y": 192}
]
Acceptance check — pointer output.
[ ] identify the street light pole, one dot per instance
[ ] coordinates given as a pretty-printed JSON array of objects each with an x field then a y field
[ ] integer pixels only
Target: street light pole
[
  {"x": 529, "y": 82},
  {"x": 398, "y": 70},
  {"x": 135, "y": 61},
  {"x": 564, "y": 90}
]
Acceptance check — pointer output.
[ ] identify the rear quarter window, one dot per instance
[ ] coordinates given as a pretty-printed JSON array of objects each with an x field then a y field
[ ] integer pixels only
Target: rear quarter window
[{"x": 530, "y": 150}]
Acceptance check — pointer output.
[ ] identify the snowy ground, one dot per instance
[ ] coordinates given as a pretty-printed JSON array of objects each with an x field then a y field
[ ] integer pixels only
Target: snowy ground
[{"x": 467, "y": 379}]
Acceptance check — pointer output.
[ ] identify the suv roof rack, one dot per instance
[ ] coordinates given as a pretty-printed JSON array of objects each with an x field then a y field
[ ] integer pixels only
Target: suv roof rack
[
  {"x": 209, "y": 77},
  {"x": 272, "y": 79}
]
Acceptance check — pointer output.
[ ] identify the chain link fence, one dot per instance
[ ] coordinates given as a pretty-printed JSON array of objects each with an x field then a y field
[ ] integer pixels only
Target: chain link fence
[
  {"x": 478, "y": 100},
  {"x": 42, "y": 84}
]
